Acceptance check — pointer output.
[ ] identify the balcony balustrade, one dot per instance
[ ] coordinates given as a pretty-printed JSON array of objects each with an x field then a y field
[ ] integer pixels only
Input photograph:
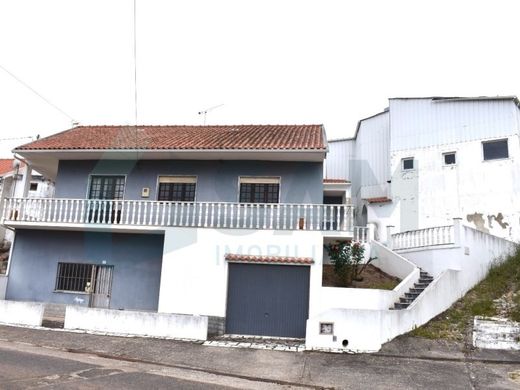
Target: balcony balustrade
[{"x": 279, "y": 216}]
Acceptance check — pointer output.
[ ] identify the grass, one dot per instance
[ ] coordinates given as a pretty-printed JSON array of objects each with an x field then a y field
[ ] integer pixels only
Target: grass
[{"x": 455, "y": 322}]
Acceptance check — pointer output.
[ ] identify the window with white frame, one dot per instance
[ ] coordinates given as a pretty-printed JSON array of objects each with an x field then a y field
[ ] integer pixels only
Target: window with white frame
[
  {"x": 407, "y": 164},
  {"x": 177, "y": 188},
  {"x": 495, "y": 150},
  {"x": 259, "y": 190}
]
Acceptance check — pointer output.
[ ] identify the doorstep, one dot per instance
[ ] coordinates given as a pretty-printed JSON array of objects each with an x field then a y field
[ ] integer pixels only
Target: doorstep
[{"x": 257, "y": 342}]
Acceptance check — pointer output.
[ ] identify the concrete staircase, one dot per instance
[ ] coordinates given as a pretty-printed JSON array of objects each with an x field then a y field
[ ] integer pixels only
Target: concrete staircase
[{"x": 424, "y": 280}]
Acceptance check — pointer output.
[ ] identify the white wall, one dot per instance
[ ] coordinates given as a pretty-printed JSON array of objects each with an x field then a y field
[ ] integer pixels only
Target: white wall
[
  {"x": 355, "y": 298},
  {"x": 478, "y": 191},
  {"x": 129, "y": 322},
  {"x": 21, "y": 313},
  {"x": 194, "y": 272},
  {"x": 465, "y": 265}
]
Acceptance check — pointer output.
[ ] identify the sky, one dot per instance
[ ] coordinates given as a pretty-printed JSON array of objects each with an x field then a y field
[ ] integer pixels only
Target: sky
[{"x": 264, "y": 62}]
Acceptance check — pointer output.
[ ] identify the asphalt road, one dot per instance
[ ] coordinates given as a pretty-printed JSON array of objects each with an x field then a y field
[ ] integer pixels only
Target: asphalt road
[
  {"x": 37, "y": 358},
  {"x": 29, "y": 367}
]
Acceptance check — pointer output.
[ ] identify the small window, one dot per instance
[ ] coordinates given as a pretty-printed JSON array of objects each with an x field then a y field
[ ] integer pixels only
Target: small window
[
  {"x": 259, "y": 190},
  {"x": 177, "y": 188},
  {"x": 75, "y": 277},
  {"x": 408, "y": 164},
  {"x": 33, "y": 187},
  {"x": 449, "y": 158},
  {"x": 494, "y": 150}
]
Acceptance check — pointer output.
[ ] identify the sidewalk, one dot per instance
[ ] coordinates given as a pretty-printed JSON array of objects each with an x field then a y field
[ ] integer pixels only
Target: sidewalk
[{"x": 405, "y": 363}]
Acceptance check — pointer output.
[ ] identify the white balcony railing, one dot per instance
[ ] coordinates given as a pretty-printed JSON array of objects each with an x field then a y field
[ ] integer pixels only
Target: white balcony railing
[
  {"x": 281, "y": 216},
  {"x": 439, "y": 235}
]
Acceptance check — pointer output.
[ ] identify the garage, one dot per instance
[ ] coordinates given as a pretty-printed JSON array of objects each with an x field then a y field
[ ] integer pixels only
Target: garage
[{"x": 267, "y": 299}]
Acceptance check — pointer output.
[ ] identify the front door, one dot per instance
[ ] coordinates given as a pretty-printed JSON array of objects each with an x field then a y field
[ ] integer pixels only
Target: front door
[{"x": 101, "y": 287}]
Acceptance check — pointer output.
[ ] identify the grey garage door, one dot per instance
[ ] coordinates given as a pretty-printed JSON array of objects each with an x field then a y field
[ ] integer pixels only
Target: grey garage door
[{"x": 267, "y": 300}]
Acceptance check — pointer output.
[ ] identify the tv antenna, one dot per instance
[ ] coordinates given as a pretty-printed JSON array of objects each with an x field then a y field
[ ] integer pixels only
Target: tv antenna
[{"x": 205, "y": 112}]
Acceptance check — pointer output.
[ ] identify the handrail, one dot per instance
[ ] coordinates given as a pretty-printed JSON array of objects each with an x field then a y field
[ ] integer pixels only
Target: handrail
[{"x": 438, "y": 235}]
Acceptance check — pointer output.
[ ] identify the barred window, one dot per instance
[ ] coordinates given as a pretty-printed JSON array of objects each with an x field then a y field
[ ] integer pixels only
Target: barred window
[
  {"x": 74, "y": 276},
  {"x": 259, "y": 190}
]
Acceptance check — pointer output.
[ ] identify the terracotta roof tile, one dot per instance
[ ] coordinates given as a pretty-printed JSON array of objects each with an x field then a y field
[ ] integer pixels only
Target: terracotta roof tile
[
  {"x": 378, "y": 200},
  {"x": 268, "y": 259},
  {"x": 244, "y": 137},
  {"x": 6, "y": 165}
]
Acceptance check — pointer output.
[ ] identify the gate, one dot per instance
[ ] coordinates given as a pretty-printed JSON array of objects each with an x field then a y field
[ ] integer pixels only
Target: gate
[{"x": 101, "y": 286}]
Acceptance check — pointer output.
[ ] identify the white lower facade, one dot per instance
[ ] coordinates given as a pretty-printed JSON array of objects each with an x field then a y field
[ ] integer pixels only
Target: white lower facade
[{"x": 194, "y": 275}]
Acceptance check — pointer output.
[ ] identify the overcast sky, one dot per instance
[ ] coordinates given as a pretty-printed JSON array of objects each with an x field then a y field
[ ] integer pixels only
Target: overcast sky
[{"x": 268, "y": 62}]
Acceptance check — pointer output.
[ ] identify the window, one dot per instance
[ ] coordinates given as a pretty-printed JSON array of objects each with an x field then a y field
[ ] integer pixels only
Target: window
[
  {"x": 259, "y": 190},
  {"x": 449, "y": 158},
  {"x": 33, "y": 187},
  {"x": 177, "y": 188},
  {"x": 494, "y": 150},
  {"x": 408, "y": 163},
  {"x": 107, "y": 187},
  {"x": 74, "y": 277}
]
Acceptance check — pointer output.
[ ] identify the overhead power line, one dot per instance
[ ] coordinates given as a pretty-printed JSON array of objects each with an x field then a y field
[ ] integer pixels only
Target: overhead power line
[
  {"x": 15, "y": 138},
  {"x": 37, "y": 93}
]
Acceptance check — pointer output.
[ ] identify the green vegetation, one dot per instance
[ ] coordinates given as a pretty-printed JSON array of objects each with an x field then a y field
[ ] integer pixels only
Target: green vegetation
[{"x": 455, "y": 322}]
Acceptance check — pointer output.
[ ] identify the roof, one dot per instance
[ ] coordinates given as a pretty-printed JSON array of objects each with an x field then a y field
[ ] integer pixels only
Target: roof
[
  {"x": 336, "y": 181},
  {"x": 240, "y": 137},
  {"x": 237, "y": 258},
  {"x": 6, "y": 165},
  {"x": 382, "y": 199}
]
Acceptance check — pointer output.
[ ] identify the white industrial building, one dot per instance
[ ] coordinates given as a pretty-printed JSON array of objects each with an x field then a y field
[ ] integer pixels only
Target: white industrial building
[{"x": 424, "y": 161}]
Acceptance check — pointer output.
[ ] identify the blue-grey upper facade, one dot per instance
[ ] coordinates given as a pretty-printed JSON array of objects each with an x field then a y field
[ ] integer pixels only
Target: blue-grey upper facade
[{"x": 217, "y": 181}]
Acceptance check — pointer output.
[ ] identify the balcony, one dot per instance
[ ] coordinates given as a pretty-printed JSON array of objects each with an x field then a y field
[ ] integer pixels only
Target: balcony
[{"x": 113, "y": 215}]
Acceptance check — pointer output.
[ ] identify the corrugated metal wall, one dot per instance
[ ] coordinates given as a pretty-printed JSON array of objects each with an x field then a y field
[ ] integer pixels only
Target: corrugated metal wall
[
  {"x": 420, "y": 123},
  {"x": 338, "y": 162}
]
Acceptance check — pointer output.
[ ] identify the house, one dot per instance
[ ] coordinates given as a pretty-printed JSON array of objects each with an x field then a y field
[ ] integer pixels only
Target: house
[
  {"x": 437, "y": 179},
  {"x": 226, "y": 222},
  {"x": 17, "y": 180},
  {"x": 424, "y": 161}
]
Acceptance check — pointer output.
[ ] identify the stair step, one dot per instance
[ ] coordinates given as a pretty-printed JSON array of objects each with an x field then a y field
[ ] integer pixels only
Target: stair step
[
  {"x": 416, "y": 290},
  {"x": 426, "y": 279},
  {"x": 406, "y": 300},
  {"x": 399, "y": 305},
  {"x": 424, "y": 273},
  {"x": 421, "y": 285},
  {"x": 411, "y": 294}
]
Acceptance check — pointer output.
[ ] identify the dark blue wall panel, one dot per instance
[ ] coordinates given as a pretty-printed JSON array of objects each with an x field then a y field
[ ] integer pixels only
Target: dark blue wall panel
[
  {"x": 301, "y": 182},
  {"x": 136, "y": 258}
]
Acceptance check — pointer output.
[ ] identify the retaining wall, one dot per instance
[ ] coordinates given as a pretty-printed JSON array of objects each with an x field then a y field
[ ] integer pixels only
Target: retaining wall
[{"x": 137, "y": 323}]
